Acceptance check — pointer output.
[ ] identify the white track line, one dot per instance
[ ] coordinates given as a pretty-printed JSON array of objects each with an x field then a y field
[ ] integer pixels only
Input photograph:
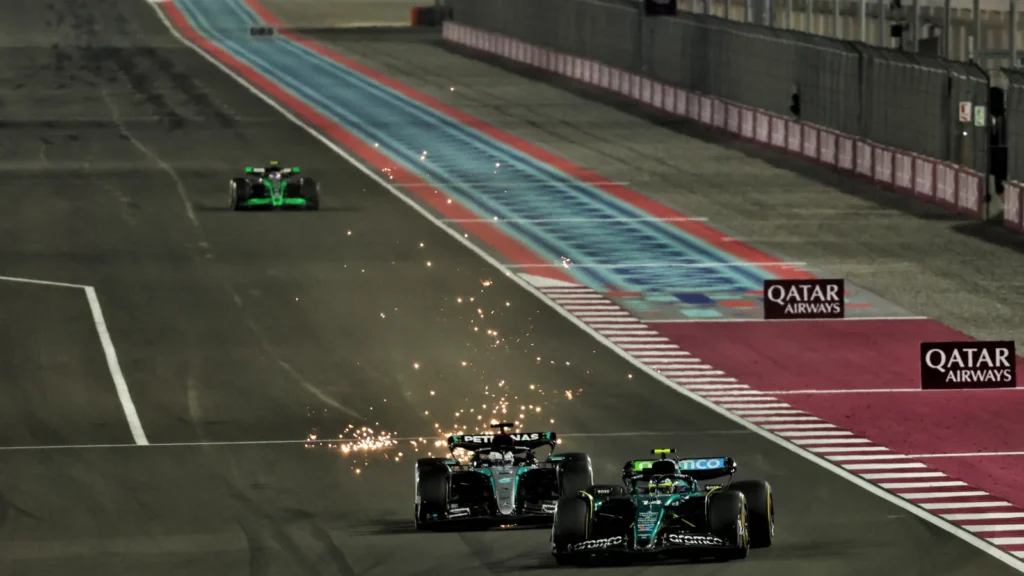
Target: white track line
[
  {"x": 888, "y": 456},
  {"x": 109, "y": 352},
  {"x": 795, "y": 433},
  {"x": 983, "y": 516},
  {"x": 886, "y": 466},
  {"x": 908, "y": 485},
  {"x": 115, "y": 368},
  {"x": 759, "y": 399},
  {"x": 994, "y": 528},
  {"x": 850, "y": 449},
  {"x": 463, "y": 239},
  {"x": 929, "y": 495},
  {"x": 41, "y": 282},
  {"x": 962, "y": 505},
  {"x": 899, "y": 475},
  {"x": 968, "y": 454}
]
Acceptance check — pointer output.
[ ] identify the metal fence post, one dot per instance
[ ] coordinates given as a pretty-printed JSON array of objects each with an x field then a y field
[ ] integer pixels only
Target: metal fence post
[
  {"x": 864, "y": 20},
  {"x": 1013, "y": 33},
  {"x": 986, "y": 136},
  {"x": 835, "y": 19},
  {"x": 916, "y": 45},
  {"x": 881, "y": 24}
]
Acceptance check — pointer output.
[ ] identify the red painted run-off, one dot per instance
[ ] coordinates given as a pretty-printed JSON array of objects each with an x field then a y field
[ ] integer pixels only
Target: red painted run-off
[
  {"x": 794, "y": 358},
  {"x": 813, "y": 355}
]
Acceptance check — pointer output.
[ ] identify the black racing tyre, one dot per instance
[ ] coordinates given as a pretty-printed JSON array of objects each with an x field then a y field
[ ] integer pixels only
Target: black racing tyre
[
  {"x": 310, "y": 192},
  {"x": 575, "y": 474},
  {"x": 606, "y": 491},
  {"x": 761, "y": 510},
  {"x": 432, "y": 485},
  {"x": 239, "y": 192},
  {"x": 728, "y": 519},
  {"x": 571, "y": 526}
]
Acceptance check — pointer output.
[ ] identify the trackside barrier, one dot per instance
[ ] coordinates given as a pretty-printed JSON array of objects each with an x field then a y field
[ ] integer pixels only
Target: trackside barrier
[
  {"x": 948, "y": 185},
  {"x": 1013, "y": 214}
]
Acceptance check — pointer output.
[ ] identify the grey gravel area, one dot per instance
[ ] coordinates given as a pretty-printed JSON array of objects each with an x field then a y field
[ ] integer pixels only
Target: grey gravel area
[{"x": 918, "y": 257}]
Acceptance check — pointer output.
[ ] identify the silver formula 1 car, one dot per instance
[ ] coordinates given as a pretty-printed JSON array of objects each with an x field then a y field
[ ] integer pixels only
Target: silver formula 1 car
[{"x": 503, "y": 483}]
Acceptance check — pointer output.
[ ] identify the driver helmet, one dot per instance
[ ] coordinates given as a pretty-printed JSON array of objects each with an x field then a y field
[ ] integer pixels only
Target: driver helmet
[
  {"x": 501, "y": 458},
  {"x": 666, "y": 485}
]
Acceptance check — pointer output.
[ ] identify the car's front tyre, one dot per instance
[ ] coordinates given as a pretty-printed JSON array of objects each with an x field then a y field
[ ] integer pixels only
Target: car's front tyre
[
  {"x": 761, "y": 506},
  {"x": 728, "y": 520},
  {"x": 571, "y": 526},
  {"x": 239, "y": 192},
  {"x": 432, "y": 487},
  {"x": 310, "y": 192}
]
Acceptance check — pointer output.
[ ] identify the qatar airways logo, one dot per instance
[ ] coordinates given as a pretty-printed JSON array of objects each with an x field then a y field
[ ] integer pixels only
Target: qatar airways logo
[
  {"x": 804, "y": 299},
  {"x": 946, "y": 365}
]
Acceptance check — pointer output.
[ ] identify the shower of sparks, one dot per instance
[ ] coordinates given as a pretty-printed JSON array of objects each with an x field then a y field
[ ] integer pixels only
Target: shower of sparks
[
  {"x": 362, "y": 441},
  {"x": 529, "y": 406}
]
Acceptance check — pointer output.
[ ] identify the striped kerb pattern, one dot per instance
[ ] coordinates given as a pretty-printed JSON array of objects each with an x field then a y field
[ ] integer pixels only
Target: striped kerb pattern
[{"x": 991, "y": 518}]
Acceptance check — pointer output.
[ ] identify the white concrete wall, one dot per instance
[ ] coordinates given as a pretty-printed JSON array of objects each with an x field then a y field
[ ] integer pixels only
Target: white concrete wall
[{"x": 995, "y": 21}]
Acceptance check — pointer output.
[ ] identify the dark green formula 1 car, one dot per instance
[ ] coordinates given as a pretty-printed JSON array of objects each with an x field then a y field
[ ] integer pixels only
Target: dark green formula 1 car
[
  {"x": 666, "y": 508},
  {"x": 273, "y": 187}
]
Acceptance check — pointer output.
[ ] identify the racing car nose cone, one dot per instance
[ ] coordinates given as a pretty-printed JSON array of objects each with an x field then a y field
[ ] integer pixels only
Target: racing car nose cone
[{"x": 504, "y": 483}]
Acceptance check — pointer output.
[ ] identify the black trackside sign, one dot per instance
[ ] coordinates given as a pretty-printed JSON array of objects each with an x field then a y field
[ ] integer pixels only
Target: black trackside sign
[
  {"x": 804, "y": 299},
  {"x": 660, "y": 7},
  {"x": 968, "y": 365}
]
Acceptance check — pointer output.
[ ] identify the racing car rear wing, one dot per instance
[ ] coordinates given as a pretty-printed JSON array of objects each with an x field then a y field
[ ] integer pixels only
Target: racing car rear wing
[
  {"x": 529, "y": 440},
  {"x": 699, "y": 468}
]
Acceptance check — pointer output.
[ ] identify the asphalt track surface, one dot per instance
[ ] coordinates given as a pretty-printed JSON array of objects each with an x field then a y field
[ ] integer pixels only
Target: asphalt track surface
[
  {"x": 917, "y": 256},
  {"x": 117, "y": 143}
]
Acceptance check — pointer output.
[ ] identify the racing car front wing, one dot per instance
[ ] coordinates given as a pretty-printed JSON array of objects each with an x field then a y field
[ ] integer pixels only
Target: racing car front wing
[
  {"x": 532, "y": 514},
  {"x": 683, "y": 544}
]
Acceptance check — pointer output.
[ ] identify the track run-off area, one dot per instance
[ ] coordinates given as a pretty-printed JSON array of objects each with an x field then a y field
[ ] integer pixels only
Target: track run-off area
[{"x": 286, "y": 369}]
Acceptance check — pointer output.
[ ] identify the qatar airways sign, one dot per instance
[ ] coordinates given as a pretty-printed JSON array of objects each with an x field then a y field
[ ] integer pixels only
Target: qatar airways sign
[
  {"x": 804, "y": 299},
  {"x": 968, "y": 365}
]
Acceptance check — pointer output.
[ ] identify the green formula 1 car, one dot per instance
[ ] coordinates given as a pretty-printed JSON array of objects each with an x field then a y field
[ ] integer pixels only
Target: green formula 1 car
[
  {"x": 273, "y": 187},
  {"x": 665, "y": 509}
]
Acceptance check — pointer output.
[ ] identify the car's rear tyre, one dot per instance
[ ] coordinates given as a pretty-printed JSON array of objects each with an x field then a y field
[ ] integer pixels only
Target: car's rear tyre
[
  {"x": 239, "y": 192},
  {"x": 761, "y": 510},
  {"x": 571, "y": 526},
  {"x": 432, "y": 484},
  {"x": 310, "y": 192},
  {"x": 575, "y": 474},
  {"x": 728, "y": 519}
]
